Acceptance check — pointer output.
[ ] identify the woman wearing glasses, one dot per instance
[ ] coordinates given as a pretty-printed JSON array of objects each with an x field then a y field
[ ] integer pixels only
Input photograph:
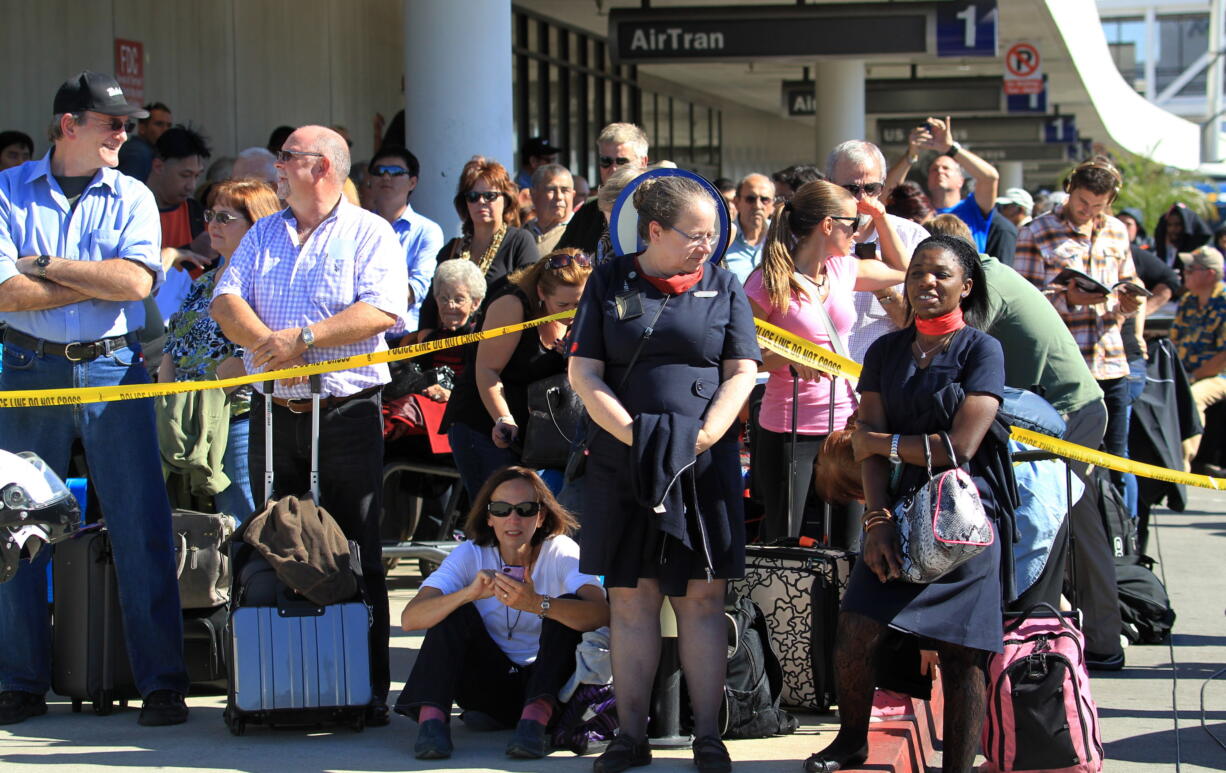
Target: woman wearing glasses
[
  {"x": 486, "y": 203},
  {"x": 504, "y": 613},
  {"x": 806, "y": 279},
  {"x": 196, "y": 349},
  {"x": 490, "y": 402},
  {"x": 664, "y": 355}
]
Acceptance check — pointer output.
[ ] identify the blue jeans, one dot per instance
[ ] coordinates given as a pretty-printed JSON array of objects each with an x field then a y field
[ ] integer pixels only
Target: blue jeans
[
  {"x": 476, "y": 456},
  {"x": 1136, "y": 385},
  {"x": 236, "y": 500},
  {"x": 125, "y": 469},
  {"x": 1115, "y": 395}
]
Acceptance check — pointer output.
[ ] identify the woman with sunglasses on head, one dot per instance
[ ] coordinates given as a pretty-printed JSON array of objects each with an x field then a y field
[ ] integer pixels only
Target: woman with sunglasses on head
[
  {"x": 197, "y": 350},
  {"x": 664, "y": 356},
  {"x": 807, "y": 261},
  {"x": 503, "y": 615},
  {"x": 939, "y": 376},
  {"x": 485, "y": 200},
  {"x": 490, "y": 403}
]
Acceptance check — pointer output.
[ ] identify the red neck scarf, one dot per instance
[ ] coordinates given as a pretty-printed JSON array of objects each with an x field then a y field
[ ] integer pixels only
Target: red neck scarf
[
  {"x": 942, "y": 325},
  {"x": 671, "y": 285}
]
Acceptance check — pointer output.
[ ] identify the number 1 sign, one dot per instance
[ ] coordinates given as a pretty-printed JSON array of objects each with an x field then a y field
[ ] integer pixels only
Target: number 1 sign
[{"x": 966, "y": 28}]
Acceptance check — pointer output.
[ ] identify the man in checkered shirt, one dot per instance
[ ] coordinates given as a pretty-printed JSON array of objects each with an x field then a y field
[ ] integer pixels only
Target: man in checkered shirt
[
  {"x": 321, "y": 280},
  {"x": 1081, "y": 235}
]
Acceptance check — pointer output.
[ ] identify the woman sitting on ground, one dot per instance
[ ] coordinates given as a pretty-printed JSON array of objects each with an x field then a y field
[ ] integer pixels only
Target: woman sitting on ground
[
  {"x": 504, "y": 613},
  {"x": 938, "y": 376}
]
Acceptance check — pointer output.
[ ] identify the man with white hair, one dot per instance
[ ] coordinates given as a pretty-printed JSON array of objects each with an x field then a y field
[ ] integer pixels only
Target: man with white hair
[
  {"x": 321, "y": 280},
  {"x": 553, "y": 189},
  {"x": 255, "y": 163},
  {"x": 1016, "y": 205},
  {"x": 617, "y": 145},
  {"x": 754, "y": 202}
]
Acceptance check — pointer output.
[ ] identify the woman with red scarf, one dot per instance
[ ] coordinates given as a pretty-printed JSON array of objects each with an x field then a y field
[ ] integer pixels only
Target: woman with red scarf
[
  {"x": 664, "y": 354},
  {"x": 940, "y": 375}
]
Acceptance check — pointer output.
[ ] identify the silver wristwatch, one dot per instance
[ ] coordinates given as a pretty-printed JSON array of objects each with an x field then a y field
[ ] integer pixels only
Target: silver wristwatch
[
  {"x": 308, "y": 337},
  {"x": 544, "y": 607},
  {"x": 894, "y": 457}
]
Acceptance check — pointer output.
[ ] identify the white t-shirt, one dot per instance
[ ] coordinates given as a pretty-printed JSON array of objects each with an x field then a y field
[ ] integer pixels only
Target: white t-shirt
[
  {"x": 872, "y": 320},
  {"x": 517, "y": 633}
]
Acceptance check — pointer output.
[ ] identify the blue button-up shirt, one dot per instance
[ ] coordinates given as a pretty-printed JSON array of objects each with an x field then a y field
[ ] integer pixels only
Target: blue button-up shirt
[
  {"x": 352, "y": 256},
  {"x": 421, "y": 239},
  {"x": 742, "y": 257},
  {"x": 115, "y": 217}
]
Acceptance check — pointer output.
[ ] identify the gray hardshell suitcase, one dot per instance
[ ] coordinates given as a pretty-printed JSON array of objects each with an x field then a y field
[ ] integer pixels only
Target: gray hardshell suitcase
[{"x": 293, "y": 662}]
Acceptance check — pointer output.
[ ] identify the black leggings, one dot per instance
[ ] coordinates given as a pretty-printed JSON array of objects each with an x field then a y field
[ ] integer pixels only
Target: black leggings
[
  {"x": 459, "y": 662},
  {"x": 772, "y": 455}
]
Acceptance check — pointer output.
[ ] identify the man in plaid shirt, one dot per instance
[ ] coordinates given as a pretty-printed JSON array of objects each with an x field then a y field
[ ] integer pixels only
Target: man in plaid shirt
[{"x": 1081, "y": 235}]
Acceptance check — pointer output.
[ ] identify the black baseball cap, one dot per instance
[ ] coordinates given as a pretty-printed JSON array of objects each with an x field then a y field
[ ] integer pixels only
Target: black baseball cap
[
  {"x": 539, "y": 146},
  {"x": 96, "y": 92}
]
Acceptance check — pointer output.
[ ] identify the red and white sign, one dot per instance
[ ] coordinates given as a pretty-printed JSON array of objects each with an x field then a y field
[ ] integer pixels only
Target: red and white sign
[
  {"x": 1022, "y": 72},
  {"x": 130, "y": 69}
]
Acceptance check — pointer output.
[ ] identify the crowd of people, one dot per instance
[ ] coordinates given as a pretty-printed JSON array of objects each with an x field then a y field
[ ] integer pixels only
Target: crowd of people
[{"x": 128, "y": 254}]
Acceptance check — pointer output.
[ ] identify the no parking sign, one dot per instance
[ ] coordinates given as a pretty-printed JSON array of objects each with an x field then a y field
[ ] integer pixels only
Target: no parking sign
[{"x": 1023, "y": 75}]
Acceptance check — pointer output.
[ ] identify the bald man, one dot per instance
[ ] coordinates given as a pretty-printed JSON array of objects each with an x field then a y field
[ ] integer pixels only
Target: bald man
[
  {"x": 321, "y": 280},
  {"x": 755, "y": 200}
]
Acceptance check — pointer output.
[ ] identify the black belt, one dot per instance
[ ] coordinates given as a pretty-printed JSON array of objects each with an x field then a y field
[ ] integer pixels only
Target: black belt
[
  {"x": 325, "y": 403},
  {"x": 77, "y": 351}
]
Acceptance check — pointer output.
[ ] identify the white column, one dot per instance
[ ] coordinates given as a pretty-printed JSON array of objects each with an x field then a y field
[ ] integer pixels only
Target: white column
[
  {"x": 1211, "y": 135},
  {"x": 457, "y": 76},
  {"x": 839, "y": 89},
  {"x": 1010, "y": 175}
]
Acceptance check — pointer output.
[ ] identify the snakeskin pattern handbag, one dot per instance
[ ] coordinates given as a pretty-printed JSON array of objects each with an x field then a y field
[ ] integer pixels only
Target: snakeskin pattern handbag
[{"x": 942, "y": 525}]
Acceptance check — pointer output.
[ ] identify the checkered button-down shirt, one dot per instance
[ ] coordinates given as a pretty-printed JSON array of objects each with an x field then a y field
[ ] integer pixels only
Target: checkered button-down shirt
[
  {"x": 1048, "y": 244},
  {"x": 352, "y": 256},
  {"x": 1199, "y": 332}
]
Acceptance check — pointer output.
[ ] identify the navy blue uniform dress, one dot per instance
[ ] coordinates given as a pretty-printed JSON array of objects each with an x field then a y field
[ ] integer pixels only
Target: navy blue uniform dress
[
  {"x": 963, "y": 607},
  {"x": 677, "y": 372}
]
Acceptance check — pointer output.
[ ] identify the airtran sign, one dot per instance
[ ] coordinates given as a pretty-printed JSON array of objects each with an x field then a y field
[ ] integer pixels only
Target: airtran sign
[{"x": 746, "y": 33}]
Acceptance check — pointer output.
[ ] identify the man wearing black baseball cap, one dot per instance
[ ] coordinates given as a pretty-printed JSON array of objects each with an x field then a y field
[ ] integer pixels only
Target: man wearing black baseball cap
[
  {"x": 79, "y": 249},
  {"x": 536, "y": 152}
]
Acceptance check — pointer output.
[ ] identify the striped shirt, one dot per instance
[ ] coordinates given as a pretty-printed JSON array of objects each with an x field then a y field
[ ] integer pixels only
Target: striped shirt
[
  {"x": 1048, "y": 244},
  {"x": 352, "y": 256}
]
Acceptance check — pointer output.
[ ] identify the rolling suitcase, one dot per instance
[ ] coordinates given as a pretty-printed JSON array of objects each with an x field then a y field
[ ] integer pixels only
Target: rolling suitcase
[
  {"x": 204, "y": 648},
  {"x": 291, "y": 662},
  {"x": 799, "y": 590},
  {"x": 89, "y": 656}
]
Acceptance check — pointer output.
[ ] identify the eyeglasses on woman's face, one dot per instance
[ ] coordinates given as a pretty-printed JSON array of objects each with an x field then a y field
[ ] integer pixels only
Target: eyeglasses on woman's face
[
  {"x": 220, "y": 217},
  {"x": 504, "y": 509},
  {"x": 855, "y": 220},
  {"x": 698, "y": 240},
  {"x": 489, "y": 197},
  {"x": 563, "y": 260}
]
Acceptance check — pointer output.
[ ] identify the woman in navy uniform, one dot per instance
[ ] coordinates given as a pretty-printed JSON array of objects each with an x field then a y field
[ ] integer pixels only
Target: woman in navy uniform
[{"x": 664, "y": 355}]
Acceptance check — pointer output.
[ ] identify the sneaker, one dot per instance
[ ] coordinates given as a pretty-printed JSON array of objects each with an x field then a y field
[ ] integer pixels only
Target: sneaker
[
  {"x": 623, "y": 753},
  {"x": 529, "y": 741},
  {"x": 711, "y": 756},
  {"x": 433, "y": 740},
  {"x": 17, "y": 706},
  {"x": 163, "y": 707}
]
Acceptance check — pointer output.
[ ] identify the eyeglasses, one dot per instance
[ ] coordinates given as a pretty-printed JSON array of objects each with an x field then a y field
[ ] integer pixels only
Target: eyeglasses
[
  {"x": 855, "y": 220},
  {"x": 869, "y": 189},
  {"x": 698, "y": 240},
  {"x": 565, "y": 259},
  {"x": 285, "y": 156},
  {"x": 523, "y": 509},
  {"x": 222, "y": 218},
  {"x": 608, "y": 161},
  {"x": 751, "y": 199},
  {"x": 472, "y": 197},
  {"x": 117, "y": 124},
  {"x": 385, "y": 169}
]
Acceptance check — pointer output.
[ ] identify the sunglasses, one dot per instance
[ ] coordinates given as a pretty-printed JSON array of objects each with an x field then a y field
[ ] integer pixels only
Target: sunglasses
[
  {"x": 472, "y": 197},
  {"x": 523, "y": 509},
  {"x": 856, "y": 220},
  {"x": 223, "y": 218},
  {"x": 751, "y": 199},
  {"x": 871, "y": 189},
  {"x": 564, "y": 260},
  {"x": 118, "y": 124},
  {"x": 384, "y": 169},
  {"x": 608, "y": 161},
  {"x": 285, "y": 156}
]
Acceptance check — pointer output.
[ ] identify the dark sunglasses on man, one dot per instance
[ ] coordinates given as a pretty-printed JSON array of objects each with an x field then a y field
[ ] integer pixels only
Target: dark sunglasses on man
[
  {"x": 608, "y": 161},
  {"x": 115, "y": 124},
  {"x": 472, "y": 197},
  {"x": 389, "y": 170},
  {"x": 523, "y": 509},
  {"x": 285, "y": 156},
  {"x": 870, "y": 189}
]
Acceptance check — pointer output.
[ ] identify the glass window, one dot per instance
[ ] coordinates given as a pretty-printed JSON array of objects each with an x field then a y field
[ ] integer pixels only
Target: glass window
[
  {"x": 1182, "y": 39},
  {"x": 1126, "y": 38}
]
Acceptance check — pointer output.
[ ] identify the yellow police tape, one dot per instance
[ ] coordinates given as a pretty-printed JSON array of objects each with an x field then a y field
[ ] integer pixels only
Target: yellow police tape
[{"x": 771, "y": 337}]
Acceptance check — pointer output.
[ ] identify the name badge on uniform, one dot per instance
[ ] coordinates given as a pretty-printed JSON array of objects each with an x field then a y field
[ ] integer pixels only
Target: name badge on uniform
[
  {"x": 628, "y": 305},
  {"x": 706, "y": 293}
]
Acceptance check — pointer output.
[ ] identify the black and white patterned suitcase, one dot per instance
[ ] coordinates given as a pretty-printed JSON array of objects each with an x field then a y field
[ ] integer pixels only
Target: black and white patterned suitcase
[{"x": 799, "y": 590}]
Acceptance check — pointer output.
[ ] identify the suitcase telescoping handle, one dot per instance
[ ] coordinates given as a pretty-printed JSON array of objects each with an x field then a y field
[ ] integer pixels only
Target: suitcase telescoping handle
[{"x": 316, "y": 386}]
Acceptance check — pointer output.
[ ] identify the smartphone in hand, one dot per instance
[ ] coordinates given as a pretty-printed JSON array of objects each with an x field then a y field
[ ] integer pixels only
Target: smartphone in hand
[{"x": 514, "y": 572}]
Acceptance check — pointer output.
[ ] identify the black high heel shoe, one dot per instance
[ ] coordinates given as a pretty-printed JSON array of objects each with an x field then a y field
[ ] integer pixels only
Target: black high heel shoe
[{"x": 827, "y": 762}]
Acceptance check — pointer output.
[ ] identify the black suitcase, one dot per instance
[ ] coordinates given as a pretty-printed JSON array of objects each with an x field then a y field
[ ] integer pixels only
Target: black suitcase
[
  {"x": 799, "y": 590},
  {"x": 204, "y": 632},
  {"x": 89, "y": 659}
]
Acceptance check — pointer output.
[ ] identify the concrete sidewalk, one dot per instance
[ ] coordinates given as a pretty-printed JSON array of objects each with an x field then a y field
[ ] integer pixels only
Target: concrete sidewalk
[{"x": 1135, "y": 705}]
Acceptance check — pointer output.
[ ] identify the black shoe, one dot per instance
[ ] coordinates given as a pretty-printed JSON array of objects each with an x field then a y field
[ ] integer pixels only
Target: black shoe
[
  {"x": 623, "y": 753},
  {"x": 163, "y": 707},
  {"x": 529, "y": 741},
  {"x": 377, "y": 715},
  {"x": 1096, "y": 662},
  {"x": 711, "y": 756},
  {"x": 17, "y": 706},
  {"x": 433, "y": 740},
  {"x": 828, "y": 761},
  {"x": 480, "y": 722}
]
